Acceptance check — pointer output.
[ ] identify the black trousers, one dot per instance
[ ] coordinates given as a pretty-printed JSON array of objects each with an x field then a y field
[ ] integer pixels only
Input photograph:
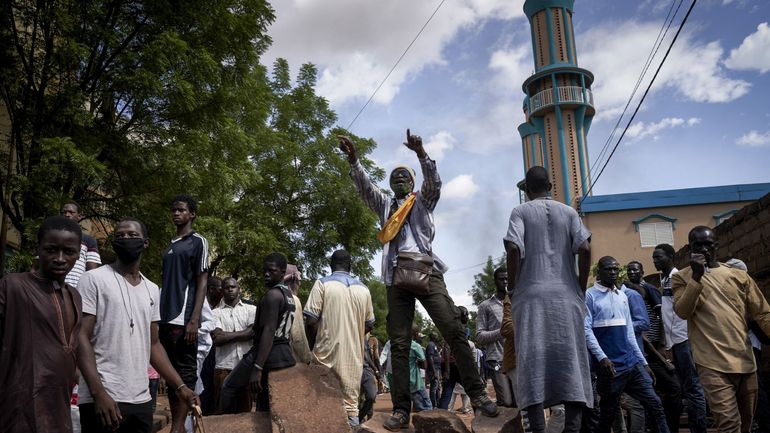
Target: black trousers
[
  {"x": 443, "y": 312},
  {"x": 137, "y": 418},
  {"x": 667, "y": 386},
  {"x": 237, "y": 382},
  {"x": 183, "y": 356},
  {"x": 534, "y": 418}
]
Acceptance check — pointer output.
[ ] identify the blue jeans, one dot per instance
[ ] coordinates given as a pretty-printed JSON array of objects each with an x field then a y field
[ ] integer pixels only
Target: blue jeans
[
  {"x": 421, "y": 400},
  {"x": 692, "y": 390},
  {"x": 637, "y": 384}
]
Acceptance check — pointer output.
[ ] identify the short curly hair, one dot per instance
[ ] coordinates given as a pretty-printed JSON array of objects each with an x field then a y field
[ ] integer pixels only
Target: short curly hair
[{"x": 192, "y": 204}]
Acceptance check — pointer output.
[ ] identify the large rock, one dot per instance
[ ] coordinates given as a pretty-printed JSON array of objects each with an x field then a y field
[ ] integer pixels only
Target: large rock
[
  {"x": 508, "y": 421},
  {"x": 249, "y": 422},
  {"x": 438, "y": 421},
  {"x": 374, "y": 425},
  {"x": 307, "y": 398}
]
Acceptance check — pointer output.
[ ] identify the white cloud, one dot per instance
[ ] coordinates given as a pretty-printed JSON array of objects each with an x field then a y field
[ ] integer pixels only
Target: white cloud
[
  {"x": 754, "y": 139},
  {"x": 640, "y": 130},
  {"x": 490, "y": 124},
  {"x": 461, "y": 186},
  {"x": 753, "y": 53},
  {"x": 616, "y": 52},
  {"x": 513, "y": 66},
  {"x": 355, "y": 43},
  {"x": 439, "y": 144}
]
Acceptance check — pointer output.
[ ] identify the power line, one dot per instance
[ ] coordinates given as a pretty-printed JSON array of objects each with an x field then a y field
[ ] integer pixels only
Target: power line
[
  {"x": 453, "y": 271},
  {"x": 396, "y": 64},
  {"x": 639, "y": 105},
  {"x": 653, "y": 52}
]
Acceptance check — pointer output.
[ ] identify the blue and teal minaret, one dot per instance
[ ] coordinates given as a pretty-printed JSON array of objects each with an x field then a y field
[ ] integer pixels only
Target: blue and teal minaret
[{"x": 559, "y": 105}]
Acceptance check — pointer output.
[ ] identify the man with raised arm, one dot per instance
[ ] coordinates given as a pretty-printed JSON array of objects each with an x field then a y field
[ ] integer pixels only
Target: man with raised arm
[{"x": 407, "y": 228}]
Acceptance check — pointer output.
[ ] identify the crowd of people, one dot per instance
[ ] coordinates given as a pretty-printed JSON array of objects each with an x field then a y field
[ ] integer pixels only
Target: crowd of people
[{"x": 552, "y": 344}]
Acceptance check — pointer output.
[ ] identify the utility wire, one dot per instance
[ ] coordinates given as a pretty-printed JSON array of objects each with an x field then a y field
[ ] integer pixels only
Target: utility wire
[
  {"x": 453, "y": 271},
  {"x": 396, "y": 64},
  {"x": 639, "y": 105},
  {"x": 653, "y": 52}
]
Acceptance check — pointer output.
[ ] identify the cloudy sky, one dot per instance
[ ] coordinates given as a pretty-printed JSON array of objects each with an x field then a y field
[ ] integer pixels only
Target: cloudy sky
[{"x": 706, "y": 121}]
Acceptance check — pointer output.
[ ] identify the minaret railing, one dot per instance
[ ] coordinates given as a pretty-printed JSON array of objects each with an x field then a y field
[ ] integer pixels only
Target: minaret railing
[{"x": 564, "y": 95}]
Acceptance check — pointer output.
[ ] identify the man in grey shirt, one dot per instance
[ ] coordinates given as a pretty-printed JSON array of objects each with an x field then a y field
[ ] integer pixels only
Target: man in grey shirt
[
  {"x": 488, "y": 323},
  {"x": 119, "y": 339}
]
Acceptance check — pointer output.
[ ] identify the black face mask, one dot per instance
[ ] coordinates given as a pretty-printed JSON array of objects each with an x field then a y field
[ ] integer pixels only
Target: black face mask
[{"x": 128, "y": 250}]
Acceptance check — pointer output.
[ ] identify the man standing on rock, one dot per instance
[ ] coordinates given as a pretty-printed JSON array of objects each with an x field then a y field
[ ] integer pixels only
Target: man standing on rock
[
  {"x": 547, "y": 303},
  {"x": 338, "y": 315},
  {"x": 407, "y": 236}
]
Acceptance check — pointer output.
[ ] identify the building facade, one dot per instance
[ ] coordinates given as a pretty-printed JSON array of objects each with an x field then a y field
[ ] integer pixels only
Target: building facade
[{"x": 629, "y": 226}]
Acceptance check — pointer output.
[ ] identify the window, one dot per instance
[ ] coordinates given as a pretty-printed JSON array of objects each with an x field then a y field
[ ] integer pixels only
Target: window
[
  {"x": 719, "y": 218},
  {"x": 652, "y": 234}
]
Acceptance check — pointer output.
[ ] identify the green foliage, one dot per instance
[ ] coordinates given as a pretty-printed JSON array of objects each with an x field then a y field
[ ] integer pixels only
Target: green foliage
[
  {"x": 484, "y": 282},
  {"x": 380, "y": 304},
  {"x": 472, "y": 318},
  {"x": 121, "y": 105}
]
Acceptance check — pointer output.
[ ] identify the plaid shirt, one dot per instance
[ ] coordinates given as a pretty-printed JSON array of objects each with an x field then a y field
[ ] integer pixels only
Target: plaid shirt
[{"x": 488, "y": 323}]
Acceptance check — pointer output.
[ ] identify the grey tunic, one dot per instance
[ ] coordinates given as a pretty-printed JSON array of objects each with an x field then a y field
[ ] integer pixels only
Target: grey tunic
[{"x": 548, "y": 306}]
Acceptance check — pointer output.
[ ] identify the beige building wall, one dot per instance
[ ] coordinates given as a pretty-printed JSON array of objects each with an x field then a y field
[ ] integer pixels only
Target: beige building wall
[{"x": 614, "y": 232}]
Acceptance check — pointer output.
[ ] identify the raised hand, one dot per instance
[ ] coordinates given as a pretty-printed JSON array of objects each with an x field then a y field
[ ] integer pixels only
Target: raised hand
[
  {"x": 347, "y": 147},
  {"x": 414, "y": 143},
  {"x": 698, "y": 265}
]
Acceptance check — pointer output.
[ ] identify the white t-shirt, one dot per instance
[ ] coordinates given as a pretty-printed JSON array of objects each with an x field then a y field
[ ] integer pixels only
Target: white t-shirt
[
  {"x": 122, "y": 352},
  {"x": 674, "y": 327}
]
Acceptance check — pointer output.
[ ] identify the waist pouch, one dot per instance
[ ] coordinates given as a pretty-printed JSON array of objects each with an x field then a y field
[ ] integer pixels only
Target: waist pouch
[{"x": 412, "y": 273}]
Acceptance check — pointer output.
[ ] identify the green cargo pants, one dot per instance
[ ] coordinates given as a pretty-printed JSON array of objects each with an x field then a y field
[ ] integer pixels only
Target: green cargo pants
[{"x": 446, "y": 316}]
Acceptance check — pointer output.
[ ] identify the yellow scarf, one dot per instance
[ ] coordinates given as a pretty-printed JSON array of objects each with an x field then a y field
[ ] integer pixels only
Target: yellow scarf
[{"x": 396, "y": 221}]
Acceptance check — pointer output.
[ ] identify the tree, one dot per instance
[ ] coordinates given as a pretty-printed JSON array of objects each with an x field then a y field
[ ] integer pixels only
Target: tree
[
  {"x": 380, "y": 304},
  {"x": 120, "y": 104},
  {"x": 298, "y": 197},
  {"x": 484, "y": 282},
  {"x": 123, "y": 104}
]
